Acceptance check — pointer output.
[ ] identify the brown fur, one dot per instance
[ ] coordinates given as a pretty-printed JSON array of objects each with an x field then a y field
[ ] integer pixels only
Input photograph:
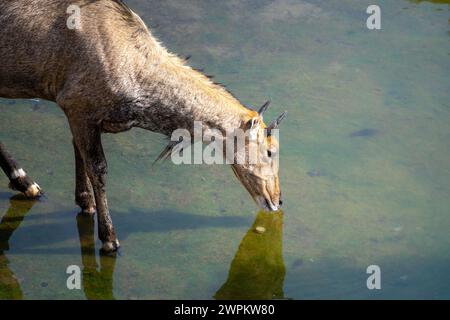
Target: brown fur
[{"x": 109, "y": 76}]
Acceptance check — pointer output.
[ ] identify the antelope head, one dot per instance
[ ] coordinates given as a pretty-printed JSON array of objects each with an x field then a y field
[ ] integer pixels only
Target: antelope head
[{"x": 258, "y": 167}]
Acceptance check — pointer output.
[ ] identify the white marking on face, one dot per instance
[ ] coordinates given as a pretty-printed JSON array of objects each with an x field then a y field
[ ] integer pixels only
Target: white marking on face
[
  {"x": 253, "y": 134},
  {"x": 18, "y": 173}
]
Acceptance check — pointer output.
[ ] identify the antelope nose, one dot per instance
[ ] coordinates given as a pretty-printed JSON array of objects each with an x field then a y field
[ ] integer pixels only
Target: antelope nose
[{"x": 280, "y": 202}]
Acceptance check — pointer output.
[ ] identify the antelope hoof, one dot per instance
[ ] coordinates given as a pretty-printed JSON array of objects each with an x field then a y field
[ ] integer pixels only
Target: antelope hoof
[
  {"x": 110, "y": 246},
  {"x": 86, "y": 202},
  {"x": 33, "y": 191},
  {"x": 27, "y": 186}
]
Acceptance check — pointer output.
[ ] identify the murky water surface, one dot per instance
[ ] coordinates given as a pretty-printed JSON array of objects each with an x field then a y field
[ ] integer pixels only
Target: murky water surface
[{"x": 365, "y": 166}]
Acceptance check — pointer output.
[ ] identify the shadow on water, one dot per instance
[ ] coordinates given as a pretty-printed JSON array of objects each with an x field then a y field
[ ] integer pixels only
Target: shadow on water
[
  {"x": 97, "y": 269},
  {"x": 257, "y": 270},
  {"x": 167, "y": 220},
  {"x": 135, "y": 220},
  {"x": 97, "y": 284}
]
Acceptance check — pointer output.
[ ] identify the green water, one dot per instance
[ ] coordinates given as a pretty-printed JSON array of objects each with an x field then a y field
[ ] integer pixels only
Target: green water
[{"x": 365, "y": 166}]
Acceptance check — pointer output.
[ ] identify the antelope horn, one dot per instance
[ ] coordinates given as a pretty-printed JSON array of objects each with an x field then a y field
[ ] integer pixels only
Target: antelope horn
[
  {"x": 276, "y": 122},
  {"x": 264, "y": 108}
]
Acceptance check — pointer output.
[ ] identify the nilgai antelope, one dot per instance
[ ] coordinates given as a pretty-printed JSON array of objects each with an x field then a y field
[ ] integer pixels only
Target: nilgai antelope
[{"x": 109, "y": 74}]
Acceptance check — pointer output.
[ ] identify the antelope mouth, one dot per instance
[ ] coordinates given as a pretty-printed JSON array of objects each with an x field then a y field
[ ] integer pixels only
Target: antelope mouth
[{"x": 266, "y": 204}]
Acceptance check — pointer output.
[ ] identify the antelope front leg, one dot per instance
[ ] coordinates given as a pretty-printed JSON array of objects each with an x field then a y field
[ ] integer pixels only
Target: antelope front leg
[
  {"x": 84, "y": 195},
  {"x": 88, "y": 141},
  {"x": 18, "y": 179}
]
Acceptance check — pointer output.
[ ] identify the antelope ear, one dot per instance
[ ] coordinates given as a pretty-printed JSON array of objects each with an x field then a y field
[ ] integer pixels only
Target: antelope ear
[{"x": 252, "y": 126}]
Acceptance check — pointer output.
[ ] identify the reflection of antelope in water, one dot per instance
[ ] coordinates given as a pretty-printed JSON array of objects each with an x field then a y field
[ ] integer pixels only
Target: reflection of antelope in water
[
  {"x": 18, "y": 208},
  {"x": 111, "y": 75},
  {"x": 97, "y": 284},
  {"x": 257, "y": 270}
]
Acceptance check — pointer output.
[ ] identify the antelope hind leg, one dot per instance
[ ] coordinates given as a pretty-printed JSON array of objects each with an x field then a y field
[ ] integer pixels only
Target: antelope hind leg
[{"x": 18, "y": 179}]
